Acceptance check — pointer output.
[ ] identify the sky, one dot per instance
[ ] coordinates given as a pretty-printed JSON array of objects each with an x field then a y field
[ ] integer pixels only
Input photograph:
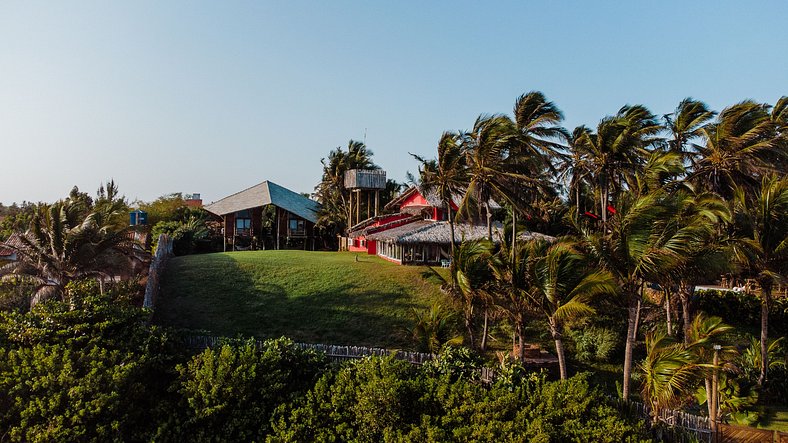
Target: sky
[{"x": 214, "y": 97}]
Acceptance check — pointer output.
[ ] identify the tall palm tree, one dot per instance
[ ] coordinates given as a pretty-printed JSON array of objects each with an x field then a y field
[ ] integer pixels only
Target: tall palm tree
[
  {"x": 685, "y": 124},
  {"x": 737, "y": 149},
  {"x": 574, "y": 167},
  {"x": 763, "y": 221},
  {"x": 639, "y": 245},
  {"x": 336, "y": 213},
  {"x": 490, "y": 175},
  {"x": 705, "y": 249},
  {"x": 68, "y": 241},
  {"x": 446, "y": 176},
  {"x": 617, "y": 149},
  {"x": 539, "y": 141},
  {"x": 560, "y": 285}
]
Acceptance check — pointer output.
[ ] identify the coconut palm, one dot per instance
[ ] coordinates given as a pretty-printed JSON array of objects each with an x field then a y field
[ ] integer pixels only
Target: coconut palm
[
  {"x": 469, "y": 275},
  {"x": 336, "y": 213},
  {"x": 639, "y": 245},
  {"x": 574, "y": 167},
  {"x": 446, "y": 176},
  {"x": 489, "y": 174},
  {"x": 618, "y": 149},
  {"x": 684, "y": 125},
  {"x": 434, "y": 328},
  {"x": 669, "y": 371},
  {"x": 703, "y": 335},
  {"x": 705, "y": 251},
  {"x": 68, "y": 241},
  {"x": 763, "y": 221},
  {"x": 738, "y": 148},
  {"x": 560, "y": 286},
  {"x": 539, "y": 141}
]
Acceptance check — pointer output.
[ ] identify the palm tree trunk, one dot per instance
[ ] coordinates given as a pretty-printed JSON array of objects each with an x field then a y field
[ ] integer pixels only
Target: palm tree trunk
[
  {"x": 514, "y": 231},
  {"x": 766, "y": 293},
  {"x": 709, "y": 399},
  {"x": 520, "y": 339},
  {"x": 489, "y": 221},
  {"x": 632, "y": 314},
  {"x": 559, "y": 347},
  {"x": 483, "y": 346},
  {"x": 469, "y": 329},
  {"x": 685, "y": 291},
  {"x": 668, "y": 318},
  {"x": 604, "y": 199},
  {"x": 451, "y": 228}
]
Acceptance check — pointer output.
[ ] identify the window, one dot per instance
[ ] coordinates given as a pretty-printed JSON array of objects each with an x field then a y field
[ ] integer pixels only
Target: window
[
  {"x": 296, "y": 226},
  {"x": 243, "y": 223}
]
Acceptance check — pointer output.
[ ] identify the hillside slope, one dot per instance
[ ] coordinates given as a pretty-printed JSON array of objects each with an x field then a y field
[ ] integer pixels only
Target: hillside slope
[{"x": 325, "y": 297}]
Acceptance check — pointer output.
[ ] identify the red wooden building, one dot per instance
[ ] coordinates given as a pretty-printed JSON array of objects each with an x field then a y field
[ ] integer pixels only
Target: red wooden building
[{"x": 417, "y": 233}]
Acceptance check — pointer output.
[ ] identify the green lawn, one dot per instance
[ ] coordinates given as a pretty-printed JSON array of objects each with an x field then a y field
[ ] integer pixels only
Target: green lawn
[{"x": 318, "y": 297}]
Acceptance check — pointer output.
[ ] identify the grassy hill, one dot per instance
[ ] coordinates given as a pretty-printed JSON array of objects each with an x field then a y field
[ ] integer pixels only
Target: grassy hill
[{"x": 325, "y": 297}]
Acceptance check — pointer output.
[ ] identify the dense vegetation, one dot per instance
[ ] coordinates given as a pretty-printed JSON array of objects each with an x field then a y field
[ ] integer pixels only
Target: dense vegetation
[{"x": 92, "y": 370}]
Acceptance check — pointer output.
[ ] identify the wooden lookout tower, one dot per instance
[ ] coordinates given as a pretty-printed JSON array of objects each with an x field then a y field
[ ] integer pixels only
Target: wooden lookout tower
[{"x": 360, "y": 182}]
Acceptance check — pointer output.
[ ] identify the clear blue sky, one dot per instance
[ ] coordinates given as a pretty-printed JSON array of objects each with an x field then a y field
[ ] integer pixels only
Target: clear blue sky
[{"x": 213, "y": 97}]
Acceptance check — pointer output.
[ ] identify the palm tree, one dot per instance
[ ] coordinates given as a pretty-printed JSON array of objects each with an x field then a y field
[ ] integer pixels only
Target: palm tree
[
  {"x": 669, "y": 371},
  {"x": 489, "y": 174},
  {"x": 639, "y": 245},
  {"x": 446, "y": 176},
  {"x": 336, "y": 213},
  {"x": 538, "y": 142},
  {"x": 685, "y": 124},
  {"x": 68, "y": 241},
  {"x": 559, "y": 286},
  {"x": 574, "y": 166},
  {"x": 738, "y": 148},
  {"x": 433, "y": 329},
  {"x": 704, "y": 334},
  {"x": 469, "y": 274},
  {"x": 763, "y": 221},
  {"x": 617, "y": 149}
]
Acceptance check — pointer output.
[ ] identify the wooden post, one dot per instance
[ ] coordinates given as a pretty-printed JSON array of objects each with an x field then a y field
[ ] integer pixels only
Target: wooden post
[
  {"x": 224, "y": 233},
  {"x": 358, "y": 206},
  {"x": 350, "y": 213},
  {"x": 278, "y": 217},
  {"x": 235, "y": 230},
  {"x": 377, "y": 201},
  {"x": 369, "y": 204}
]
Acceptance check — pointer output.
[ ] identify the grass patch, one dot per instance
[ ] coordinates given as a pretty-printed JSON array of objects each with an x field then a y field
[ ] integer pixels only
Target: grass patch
[
  {"x": 318, "y": 297},
  {"x": 775, "y": 417}
]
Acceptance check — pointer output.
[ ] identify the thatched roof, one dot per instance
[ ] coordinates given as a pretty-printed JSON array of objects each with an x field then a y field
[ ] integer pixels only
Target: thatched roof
[
  {"x": 267, "y": 193},
  {"x": 427, "y": 231}
]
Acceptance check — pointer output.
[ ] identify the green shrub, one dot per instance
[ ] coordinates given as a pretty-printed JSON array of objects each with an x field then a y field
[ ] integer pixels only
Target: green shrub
[
  {"x": 229, "y": 393},
  {"x": 594, "y": 343},
  {"x": 384, "y": 400}
]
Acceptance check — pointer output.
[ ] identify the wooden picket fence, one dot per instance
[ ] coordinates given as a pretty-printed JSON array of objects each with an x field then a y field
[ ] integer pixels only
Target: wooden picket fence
[
  {"x": 682, "y": 426},
  {"x": 337, "y": 353}
]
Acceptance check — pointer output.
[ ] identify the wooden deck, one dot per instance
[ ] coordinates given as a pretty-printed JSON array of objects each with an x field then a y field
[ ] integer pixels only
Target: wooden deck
[{"x": 744, "y": 434}]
